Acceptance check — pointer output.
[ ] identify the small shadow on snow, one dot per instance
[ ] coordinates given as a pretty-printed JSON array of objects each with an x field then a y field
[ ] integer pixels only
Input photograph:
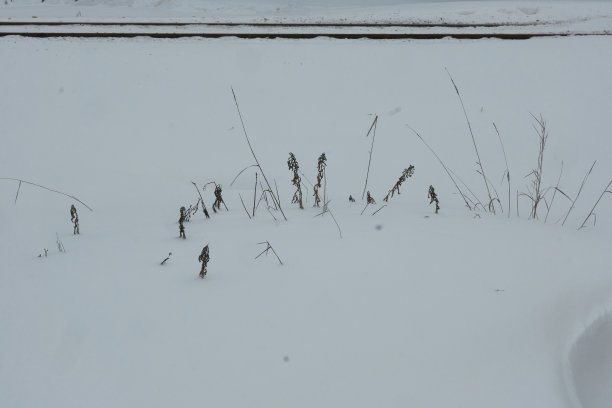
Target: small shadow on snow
[{"x": 591, "y": 364}]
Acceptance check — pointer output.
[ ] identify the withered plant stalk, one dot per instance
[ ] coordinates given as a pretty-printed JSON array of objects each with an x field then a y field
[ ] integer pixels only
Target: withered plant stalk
[
  {"x": 204, "y": 258},
  {"x": 372, "y": 127},
  {"x": 433, "y": 198},
  {"x": 277, "y": 199},
  {"x": 218, "y": 198},
  {"x": 591, "y": 213},
  {"x": 204, "y": 210},
  {"x": 446, "y": 169},
  {"x": 181, "y": 221},
  {"x": 268, "y": 248},
  {"x": 74, "y": 217},
  {"x": 321, "y": 163},
  {"x": 479, "y": 162},
  {"x": 405, "y": 174},
  {"x": 166, "y": 259},
  {"x": 293, "y": 165}
]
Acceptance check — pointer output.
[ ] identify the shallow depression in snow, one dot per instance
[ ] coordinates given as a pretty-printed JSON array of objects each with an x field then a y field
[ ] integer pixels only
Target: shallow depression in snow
[{"x": 591, "y": 364}]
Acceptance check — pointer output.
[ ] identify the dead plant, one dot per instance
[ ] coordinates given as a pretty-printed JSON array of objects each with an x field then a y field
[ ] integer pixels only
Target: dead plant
[
  {"x": 321, "y": 163},
  {"x": 218, "y": 198},
  {"x": 74, "y": 217},
  {"x": 43, "y": 187},
  {"x": 190, "y": 211},
  {"x": 405, "y": 174},
  {"x": 591, "y": 213},
  {"x": 372, "y": 128},
  {"x": 181, "y": 226},
  {"x": 204, "y": 258},
  {"x": 448, "y": 171},
  {"x": 478, "y": 161},
  {"x": 275, "y": 198},
  {"x": 296, "y": 181},
  {"x": 370, "y": 199},
  {"x": 268, "y": 248},
  {"x": 584, "y": 180},
  {"x": 535, "y": 192},
  {"x": 433, "y": 198},
  {"x": 166, "y": 260},
  {"x": 204, "y": 210}
]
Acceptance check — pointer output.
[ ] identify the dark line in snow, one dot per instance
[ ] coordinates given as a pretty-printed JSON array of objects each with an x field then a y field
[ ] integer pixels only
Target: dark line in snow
[{"x": 374, "y": 36}]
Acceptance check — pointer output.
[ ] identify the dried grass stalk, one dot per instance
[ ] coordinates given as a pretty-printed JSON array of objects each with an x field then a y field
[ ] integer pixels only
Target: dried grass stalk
[
  {"x": 405, "y": 174},
  {"x": 321, "y": 163},
  {"x": 204, "y": 258},
  {"x": 433, "y": 198},
  {"x": 293, "y": 165}
]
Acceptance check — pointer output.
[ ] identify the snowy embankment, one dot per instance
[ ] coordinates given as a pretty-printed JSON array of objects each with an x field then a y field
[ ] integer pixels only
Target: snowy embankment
[
  {"x": 571, "y": 15},
  {"x": 408, "y": 308}
]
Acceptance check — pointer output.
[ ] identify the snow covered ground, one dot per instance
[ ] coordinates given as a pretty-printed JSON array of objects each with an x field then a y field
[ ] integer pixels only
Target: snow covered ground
[{"x": 407, "y": 308}]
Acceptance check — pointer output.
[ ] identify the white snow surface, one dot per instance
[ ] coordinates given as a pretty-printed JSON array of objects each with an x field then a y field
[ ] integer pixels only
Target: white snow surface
[{"x": 407, "y": 308}]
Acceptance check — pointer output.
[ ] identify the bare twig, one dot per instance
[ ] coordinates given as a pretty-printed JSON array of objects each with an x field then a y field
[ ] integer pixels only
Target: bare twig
[
  {"x": 326, "y": 209},
  {"x": 268, "y": 208},
  {"x": 507, "y": 172},
  {"x": 254, "y": 194},
  {"x": 268, "y": 248},
  {"x": 364, "y": 208},
  {"x": 279, "y": 204},
  {"x": 46, "y": 188},
  {"x": 244, "y": 206},
  {"x": 597, "y": 202},
  {"x": 445, "y": 168},
  {"x": 204, "y": 210},
  {"x": 479, "y": 162},
  {"x": 555, "y": 193},
  {"x": 372, "y": 127},
  {"x": 253, "y": 153},
  {"x": 374, "y": 213},
  {"x": 579, "y": 191},
  {"x": 241, "y": 171},
  {"x": 165, "y": 260},
  {"x": 17, "y": 195}
]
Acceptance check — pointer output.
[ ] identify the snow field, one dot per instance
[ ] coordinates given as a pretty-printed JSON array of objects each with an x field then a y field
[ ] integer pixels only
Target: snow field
[{"x": 407, "y": 308}]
